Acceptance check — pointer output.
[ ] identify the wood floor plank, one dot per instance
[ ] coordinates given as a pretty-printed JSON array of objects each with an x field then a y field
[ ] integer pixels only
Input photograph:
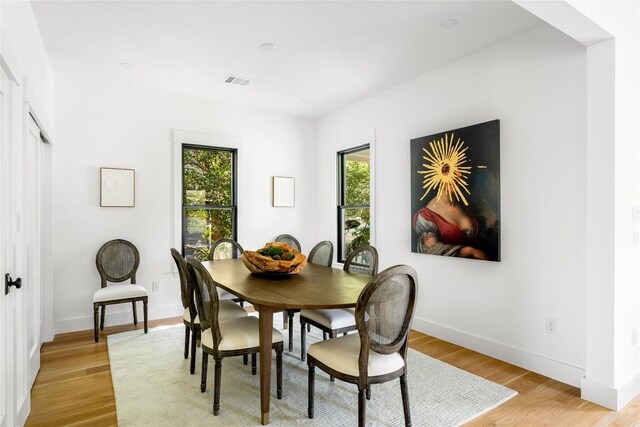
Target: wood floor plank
[{"x": 74, "y": 386}]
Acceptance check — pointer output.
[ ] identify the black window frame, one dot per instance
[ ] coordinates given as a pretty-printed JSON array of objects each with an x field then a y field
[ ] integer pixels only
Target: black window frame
[
  {"x": 234, "y": 191},
  {"x": 342, "y": 206}
]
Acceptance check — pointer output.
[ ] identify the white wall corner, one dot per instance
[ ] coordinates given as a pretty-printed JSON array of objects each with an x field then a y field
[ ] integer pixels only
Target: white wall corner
[
  {"x": 558, "y": 370},
  {"x": 612, "y": 398}
]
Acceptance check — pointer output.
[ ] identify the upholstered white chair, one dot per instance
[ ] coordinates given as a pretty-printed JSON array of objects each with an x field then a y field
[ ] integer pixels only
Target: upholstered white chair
[
  {"x": 378, "y": 352},
  {"x": 288, "y": 239},
  {"x": 117, "y": 261},
  {"x": 226, "y": 249},
  {"x": 321, "y": 254},
  {"x": 220, "y": 339},
  {"x": 228, "y": 309},
  {"x": 363, "y": 260}
]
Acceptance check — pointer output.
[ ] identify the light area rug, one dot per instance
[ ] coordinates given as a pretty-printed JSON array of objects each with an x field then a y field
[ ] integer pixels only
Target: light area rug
[{"x": 153, "y": 387}]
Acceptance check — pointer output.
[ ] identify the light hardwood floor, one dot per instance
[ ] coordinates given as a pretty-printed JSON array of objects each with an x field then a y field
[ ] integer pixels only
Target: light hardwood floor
[{"x": 74, "y": 386}]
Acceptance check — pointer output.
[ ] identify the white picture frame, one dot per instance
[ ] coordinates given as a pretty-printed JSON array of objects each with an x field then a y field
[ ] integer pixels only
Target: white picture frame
[
  {"x": 284, "y": 191},
  {"x": 117, "y": 187}
]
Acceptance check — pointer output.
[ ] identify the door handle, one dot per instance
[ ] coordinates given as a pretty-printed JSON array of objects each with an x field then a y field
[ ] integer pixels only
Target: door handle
[{"x": 8, "y": 282}]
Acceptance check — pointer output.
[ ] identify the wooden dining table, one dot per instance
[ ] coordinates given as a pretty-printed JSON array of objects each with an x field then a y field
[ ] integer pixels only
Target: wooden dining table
[{"x": 315, "y": 287}]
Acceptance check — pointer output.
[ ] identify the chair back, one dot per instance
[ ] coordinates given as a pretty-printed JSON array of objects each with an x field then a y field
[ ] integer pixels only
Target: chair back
[
  {"x": 289, "y": 240},
  {"x": 225, "y": 249},
  {"x": 322, "y": 254},
  {"x": 117, "y": 261},
  {"x": 384, "y": 313},
  {"x": 207, "y": 302},
  {"x": 363, "y": 260},
  {"x": 186, "y": 287}
]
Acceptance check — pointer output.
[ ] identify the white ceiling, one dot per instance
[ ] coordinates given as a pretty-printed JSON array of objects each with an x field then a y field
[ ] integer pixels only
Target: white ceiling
[{"x": 328, "y": 55}]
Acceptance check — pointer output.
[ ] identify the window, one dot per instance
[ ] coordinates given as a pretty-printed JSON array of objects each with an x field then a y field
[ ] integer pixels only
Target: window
[
  {"x": 209, "y": 208},
  {"x": 353, "y": 200}
]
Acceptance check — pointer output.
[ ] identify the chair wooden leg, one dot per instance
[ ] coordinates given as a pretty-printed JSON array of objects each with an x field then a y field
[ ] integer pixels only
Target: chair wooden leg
[
  {"x": 285, "y": 324},
  {"x": 95, "y": 322},
  {"x": 331, "y": 377},
  {"x": 254, "y": 367},
  {"x": 303, "y": 339},
  {"x": 195, "y": 333},
  {"x": 368, "y": 392},
  {"x": 187, "y": 334},
  {"x": 279, "y": 350},
  {"x": 308, "y": 327},
  {"x": 312, "y": 377},
  {"x": 290, "y": 329},
  {"x": 245, "y": 359},
  {"x": 103, "y": 309},
  {"x": 145, "y": 312},
  {"x": 203, "y": 379},
  {"x": 324, "y": 336},
  {"x": 362, "y": 407},
  {"x": 135, "y": 313},
  {"x": 216, "y": 386},
  {"x": 405, "y": 400}
]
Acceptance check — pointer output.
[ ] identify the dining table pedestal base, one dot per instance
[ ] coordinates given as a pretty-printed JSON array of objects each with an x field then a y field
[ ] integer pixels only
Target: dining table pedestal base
[{"x": 266, "y": 341}]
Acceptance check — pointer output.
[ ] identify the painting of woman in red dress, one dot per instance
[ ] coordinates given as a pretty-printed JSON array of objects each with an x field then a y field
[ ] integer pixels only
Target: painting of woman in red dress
[{"x": 456, "y": 193}]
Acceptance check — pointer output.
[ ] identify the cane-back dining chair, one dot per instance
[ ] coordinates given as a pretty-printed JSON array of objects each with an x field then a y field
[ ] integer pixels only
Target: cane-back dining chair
[
  {"x": 378, "y": 352},
  {"x": 363, "y": 260},
  {"x": 228, "y": 309},
  {"x": 321, "y": 254},
  {"x": 236, "y": 337},
  {"x": 293, "y": 242},
  {"x": 117, "y": 261},
  {"x": 227, "y": 249}
]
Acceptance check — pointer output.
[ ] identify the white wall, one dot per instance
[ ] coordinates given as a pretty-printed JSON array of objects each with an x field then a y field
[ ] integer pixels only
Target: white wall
[
  {"x": 535, "y": 84},
  {"x": 118, "y": 122},
  {"x": 615, "y": 66},
  {"x": 20, "y": 30}
]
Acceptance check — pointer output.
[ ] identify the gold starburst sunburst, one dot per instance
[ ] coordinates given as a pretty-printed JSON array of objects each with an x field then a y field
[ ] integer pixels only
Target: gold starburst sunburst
[{"x": 445, "y": 168}]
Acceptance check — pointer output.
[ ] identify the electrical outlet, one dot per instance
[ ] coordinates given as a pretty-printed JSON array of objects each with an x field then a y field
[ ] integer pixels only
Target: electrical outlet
[
  {"x": 155, "y": 286},
  {"x": 634, "y": 336},
  {"x": 551, "y": 325}
]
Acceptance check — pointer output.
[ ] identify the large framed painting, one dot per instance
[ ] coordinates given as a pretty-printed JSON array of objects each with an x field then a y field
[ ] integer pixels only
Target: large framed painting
[{"x": 455, "y": 193}]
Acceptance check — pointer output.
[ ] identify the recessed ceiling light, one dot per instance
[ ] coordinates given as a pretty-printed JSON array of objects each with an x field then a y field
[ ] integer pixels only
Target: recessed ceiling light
[
  {"x": 449, "y": 23},
  {"x": 268, "y": 47},
  {"x": 125, "y": 65}
]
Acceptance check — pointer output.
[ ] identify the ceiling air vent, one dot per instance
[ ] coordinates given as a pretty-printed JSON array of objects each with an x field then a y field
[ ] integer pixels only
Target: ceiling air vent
[{"x": 235, "y": 80}]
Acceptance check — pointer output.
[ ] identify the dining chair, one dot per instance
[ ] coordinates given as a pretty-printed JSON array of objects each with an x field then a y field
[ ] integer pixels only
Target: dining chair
[
  {"x": 293, "y": 242},
  {"x": 378, "y": 352},
  {"x": 289, "y": 240},
  {"x": 118, "y": 261},
  {"x": 363, "y": 260},
  {"x": 227, "y": 249},
  {"x": 190, "y": 318},
  {"x": 321, "y": 254},
  {"x": 220, "y": 339}
]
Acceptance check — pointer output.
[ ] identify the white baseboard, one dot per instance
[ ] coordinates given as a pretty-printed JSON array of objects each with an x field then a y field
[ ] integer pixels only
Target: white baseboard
[
  {"x": 531, "y": 361},
  {"x": 117, "y": 315},
  {"x": 612, "y": 398}
]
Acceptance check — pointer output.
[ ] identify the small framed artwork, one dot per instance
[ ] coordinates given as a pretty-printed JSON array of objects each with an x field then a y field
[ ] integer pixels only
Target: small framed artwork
[
  {"x": 117, "y": 187},
  {"x": 283, "y": 191}
]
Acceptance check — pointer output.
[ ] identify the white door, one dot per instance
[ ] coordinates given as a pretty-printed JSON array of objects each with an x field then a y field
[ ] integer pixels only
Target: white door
[
  {"x": 33, "y": 232},
  {"x": 21, "y": 246},
  {"x": 8, "y": 259}
]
